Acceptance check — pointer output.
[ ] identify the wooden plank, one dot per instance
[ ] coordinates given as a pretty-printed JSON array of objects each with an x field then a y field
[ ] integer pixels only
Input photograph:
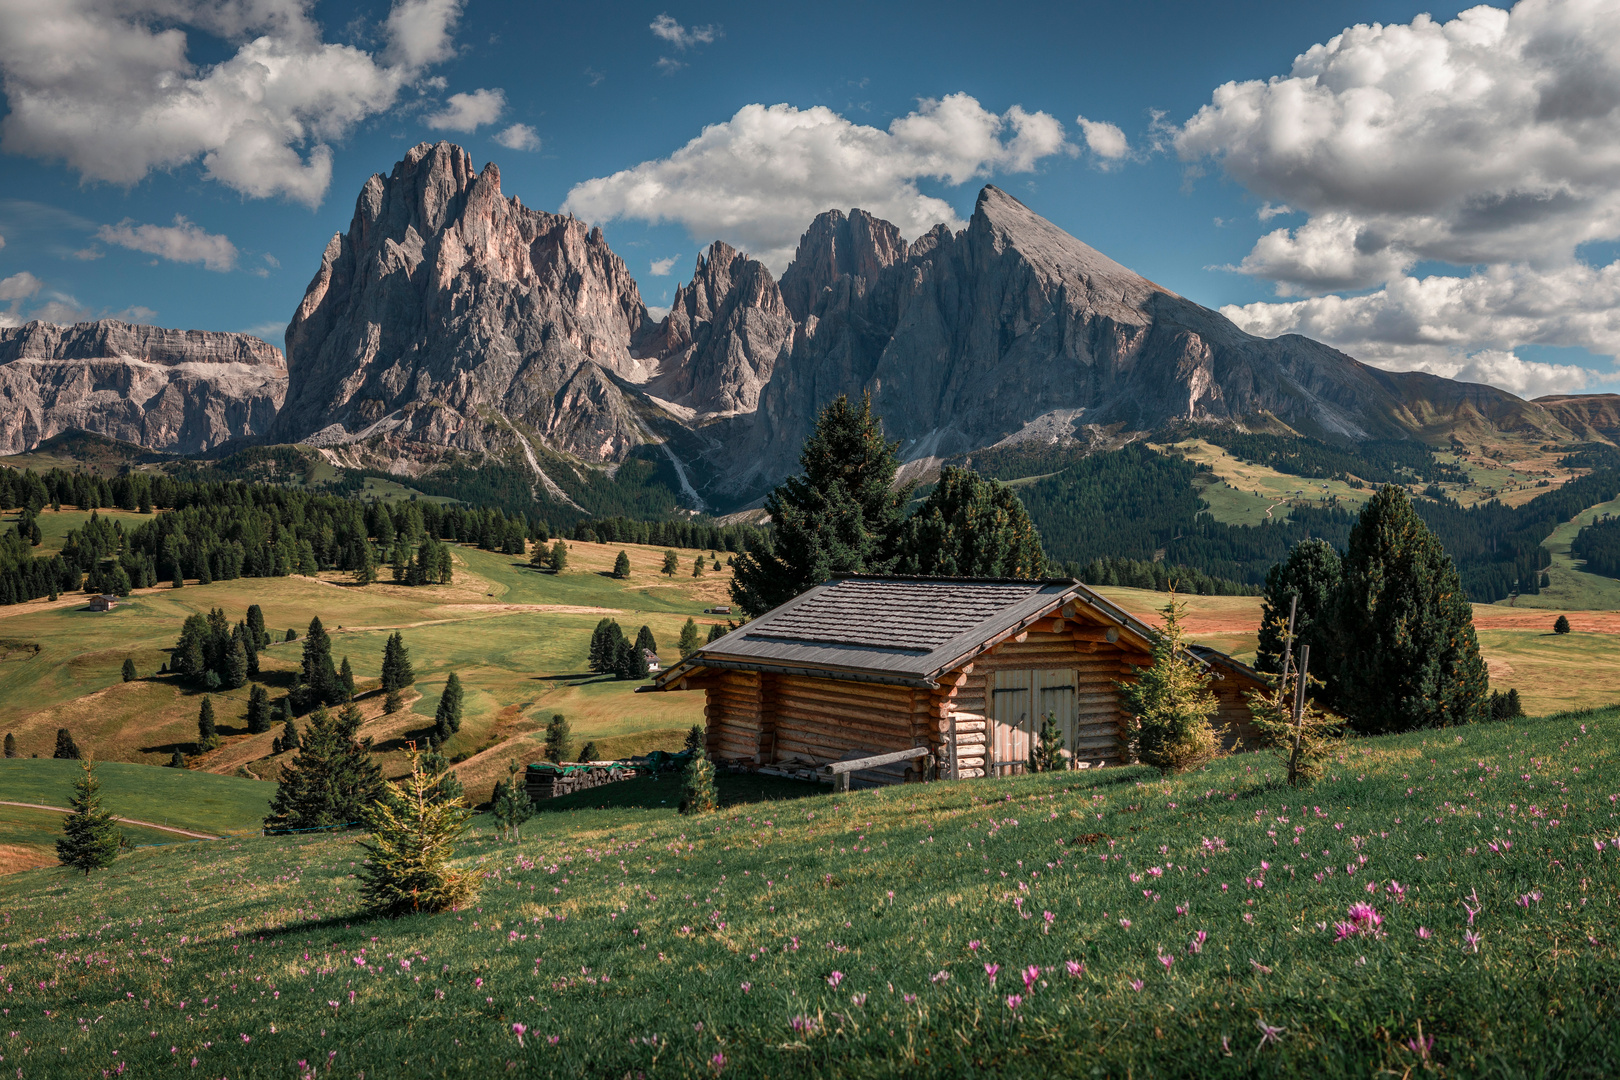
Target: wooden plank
[{"x": 873, "y": 761}]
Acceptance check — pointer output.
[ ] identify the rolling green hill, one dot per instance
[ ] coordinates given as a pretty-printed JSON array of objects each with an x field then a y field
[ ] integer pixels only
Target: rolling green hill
[{"x": 1442, "y": 902}]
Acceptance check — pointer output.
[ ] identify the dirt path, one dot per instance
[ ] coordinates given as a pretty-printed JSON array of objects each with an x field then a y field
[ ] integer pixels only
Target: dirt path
[{"x": 125, "y": 820}]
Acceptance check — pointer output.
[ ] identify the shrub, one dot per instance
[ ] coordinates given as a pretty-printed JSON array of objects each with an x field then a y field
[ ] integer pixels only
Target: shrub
[
  {"x": 1170, "y": 703},
  {"x": 698, "y": 795},
  {"x": 1047, "y": 754},
  {"x": 413, "y": 836},
  {"x": 511, "y": 804}
]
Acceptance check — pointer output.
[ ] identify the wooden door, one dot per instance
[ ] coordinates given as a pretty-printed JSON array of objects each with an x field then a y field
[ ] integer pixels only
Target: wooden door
[
  {"x": 1020, "y": 701},
  {"x": 1010, "y": 714},
  {"x": 1053, "y": 692}
]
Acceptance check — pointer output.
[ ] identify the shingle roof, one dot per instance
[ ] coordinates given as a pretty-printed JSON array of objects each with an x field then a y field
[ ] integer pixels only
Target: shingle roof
[{"x": 896, "y": 629}]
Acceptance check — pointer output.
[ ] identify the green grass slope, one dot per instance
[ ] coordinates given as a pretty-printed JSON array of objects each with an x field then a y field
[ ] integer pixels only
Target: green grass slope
[
  {"x": 1096, "y": 924},
  {"x": 180, "y": 797}
]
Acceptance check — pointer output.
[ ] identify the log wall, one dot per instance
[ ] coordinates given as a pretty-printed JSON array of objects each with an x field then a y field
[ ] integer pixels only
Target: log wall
[{"x": 734, "y": 715}]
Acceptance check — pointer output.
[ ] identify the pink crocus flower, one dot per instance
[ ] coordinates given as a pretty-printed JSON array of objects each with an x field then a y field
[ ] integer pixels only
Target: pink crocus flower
[
  {"x": 990, "y": 970},
  {"x": 1032, "y": 975},
  {"x": 1013, "y": 1001},
  {"x": 1075, "y": 968},
  {"x": 1424, "y": 933},
  {"x": 518, "y": 1030},
  {"x": 835, "y": 978}
]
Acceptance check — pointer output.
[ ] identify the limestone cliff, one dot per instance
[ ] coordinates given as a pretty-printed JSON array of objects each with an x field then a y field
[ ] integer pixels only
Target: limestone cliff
[
  {"x": 181, "y": 391},
  {"x": 448, "y": 313}
]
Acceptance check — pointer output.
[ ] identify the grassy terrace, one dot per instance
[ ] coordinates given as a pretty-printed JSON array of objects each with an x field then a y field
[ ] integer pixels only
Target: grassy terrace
[{"x": 1073, "y": 924}]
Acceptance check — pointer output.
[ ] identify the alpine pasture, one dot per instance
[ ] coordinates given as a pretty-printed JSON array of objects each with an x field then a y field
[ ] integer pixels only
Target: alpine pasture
[{"x": 1443, "y": 903}]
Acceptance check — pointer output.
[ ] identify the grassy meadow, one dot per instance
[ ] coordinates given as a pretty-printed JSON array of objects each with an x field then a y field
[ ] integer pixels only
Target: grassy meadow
[
  {"x": 1442, "y": 903},
  {"x": 517, "y": 637}
]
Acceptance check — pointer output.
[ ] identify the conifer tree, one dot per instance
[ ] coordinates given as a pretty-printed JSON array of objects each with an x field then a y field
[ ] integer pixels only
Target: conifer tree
[
  {"x": 1406, "y": 653},
  {"x": 1303, "y": 745},
  {"x": 307, "y": 797},
  {"x": 319, "y": 676},
  {"x": 511, "y": 803},
  {"x": 289, "y": 736},
  {"x": 697, "y": 566},
  {"x": 177, "y": 760},
  {"x": 292, "y": 635},
  {"x": 694, "y": 739},
  {"x": 842, "y": 515},
  {"x": 251, "y": 646},
  {"x": 631, "y": 662},
  {"x": 698, "y": 795},
  {"x": 621, "y": 566},
  {"x": 66, "y": 748},
  {"x": 90, "y": 836},
  {"x": 447, "y": 785},
  {"x": 11, "y": 745},
  {"x": 559, "y": 556},
  {"x": 397, "y": 673},
  {"x": 447, "y": 717},
  {"x": 1170, "y": 703},
  {"x": 236, "y": 665},
  {"x": 557, "y": 738},
  {"x": 207, "y": 736},
  {"x": 588, "y": 752},
  {"x": 129, "y": 670},
  {"x": 1312, "y": 573},
  {"x": 672, "y": 563},
  {"x": 607, "y": 647},
  {"x": 346, "y": 680},
  {"x": 645, "y": 641},
  {"x": 179, "y": 579},
  {"x": 357, "y": 778},
  {"x": 1047, "y": 754},
  {"x": 970, "y": 527},
  {"x": 1561, "y": 625},
  {"x": 255, "y": 625},
  {"x": 258, "y": 710},
  {"x": 413, "y": 837},
  {"x": 688, "y": 643},
  {"x": 716, "y": 632}
]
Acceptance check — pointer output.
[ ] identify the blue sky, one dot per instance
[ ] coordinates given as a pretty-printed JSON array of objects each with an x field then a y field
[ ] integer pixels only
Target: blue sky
[{"x": 1409, "y": 194}]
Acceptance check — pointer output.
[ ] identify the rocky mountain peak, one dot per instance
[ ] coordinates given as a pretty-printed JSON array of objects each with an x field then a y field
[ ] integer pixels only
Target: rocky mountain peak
[
  {"x": 837, "y": 245},
  {"x": 183, "y": 391},
  {"x": 452, "y": 317}
]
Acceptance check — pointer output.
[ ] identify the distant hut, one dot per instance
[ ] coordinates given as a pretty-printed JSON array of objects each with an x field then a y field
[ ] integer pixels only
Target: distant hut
[
  {"x": 967, "y": 668},
  {"x": 652, "y": 659},
  {"x": 103, "y": 602}
]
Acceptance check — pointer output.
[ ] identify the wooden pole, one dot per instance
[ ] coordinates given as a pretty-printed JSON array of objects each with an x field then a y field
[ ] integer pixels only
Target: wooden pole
[
  {"x": 1288, "y": 642},
  {"x": 1299, "y": 710}
]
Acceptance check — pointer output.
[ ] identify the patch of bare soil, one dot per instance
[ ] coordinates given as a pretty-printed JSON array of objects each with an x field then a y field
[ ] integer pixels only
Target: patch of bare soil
[{"x": 18, "y": 857}]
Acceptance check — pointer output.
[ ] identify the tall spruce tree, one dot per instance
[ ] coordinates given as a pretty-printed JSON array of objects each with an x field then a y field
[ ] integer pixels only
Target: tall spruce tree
[
  {"x": 1406, "y": 653},
  {"x": 645, "y": 641},
  {"x": 258, "y": 710},
  {"x": 557, "y": 738},
  {"x": 307, "y": 796},
  {"x": 970, "y": 527},
  {"x": 397, "y": 673},
  {"x": 841, "y": 516},
  {"x": 235, "y": 674},
  {"x": 207, "y": 734},
  {"x": 357, "y": 778},
  {"x": 688, "y": 643},
  {"x": 346, "y": 680},
  {"x": 621, "y": 566},
  {"x": 255, "y": 624},
  {"x": 319, "y": 676},
  {"x": 672, "y": 563},
  {"x": 1311, "y": 572},
  {"x": 447, "y": 717},
  {"x": 289, "y": 736},
  {"x": 90, "y": 837},
  {"x": 66, "y": 748}
]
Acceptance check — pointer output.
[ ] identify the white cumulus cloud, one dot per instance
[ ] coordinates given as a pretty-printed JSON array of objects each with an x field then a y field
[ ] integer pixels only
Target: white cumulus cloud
[
  {"x": 1490, "y": 142},
  {"x": 1105, "y": 140},
  {"x": 660, "y": 267},
  {"x": 519, "y": 137},
  {"x": 108, "y": 86},
  {"x": 757, "y": 179},
  {"x": 19, "y": 286},
  {"x": 468, "y": 112},
  {"x": 683, "y": 37},
  {"x": 183, "y": 241}
]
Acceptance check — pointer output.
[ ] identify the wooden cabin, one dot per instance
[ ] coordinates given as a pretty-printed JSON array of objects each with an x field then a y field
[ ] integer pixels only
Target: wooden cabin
[
  {"x": 968, "y": 668},
  {"x": 103, "y": 602}
]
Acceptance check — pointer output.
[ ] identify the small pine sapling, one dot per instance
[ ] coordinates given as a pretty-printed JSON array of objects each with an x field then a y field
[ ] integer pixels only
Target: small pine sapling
[
  {"x": 413, "y": 837},
  {"x": 1303, "y": 736},
  {"x": 90, "y": 837},
  {"x": 557, "y": 738},
  {"x": 1048, "y": 753},
  {"x": 129, "y": 670},
  {"x": 694, "y": 739},
  {"x": 177, "y": 760},
  {"x": 1561, "y": 625},
  {"x": 511, "y": 804},
  {"x": 1170, "y": 704},
  {"x": 698, "y": 795}
]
